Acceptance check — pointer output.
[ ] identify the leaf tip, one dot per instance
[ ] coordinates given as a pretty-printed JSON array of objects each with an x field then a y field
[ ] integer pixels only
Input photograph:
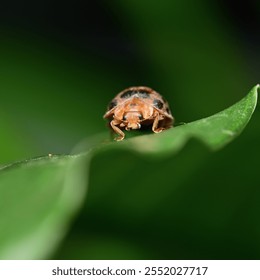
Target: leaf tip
[{"x": 255, "y": 92}]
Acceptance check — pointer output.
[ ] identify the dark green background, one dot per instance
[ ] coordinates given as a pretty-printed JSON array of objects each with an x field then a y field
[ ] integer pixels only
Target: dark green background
[{"x": 61, "y": 63}]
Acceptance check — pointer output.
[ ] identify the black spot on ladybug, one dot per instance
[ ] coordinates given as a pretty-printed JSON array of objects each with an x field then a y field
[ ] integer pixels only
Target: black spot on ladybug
[
  {"x": 143, "y": 94},
  {"x": 158, "y": 103},
  {"x": 140, "y": 93},
  {"x": 112, "y": 104},
  {"x": 140, "y": 116},
  {"x": 127, "y": 94}
]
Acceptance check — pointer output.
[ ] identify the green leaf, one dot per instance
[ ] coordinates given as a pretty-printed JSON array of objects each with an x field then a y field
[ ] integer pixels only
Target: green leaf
[
  {"x": 40, "y": 197},
  {"x": 215, "y": 131}
]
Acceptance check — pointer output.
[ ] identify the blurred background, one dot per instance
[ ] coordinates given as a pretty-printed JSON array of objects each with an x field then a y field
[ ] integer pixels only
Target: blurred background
[{"x": 60, "y": 65}]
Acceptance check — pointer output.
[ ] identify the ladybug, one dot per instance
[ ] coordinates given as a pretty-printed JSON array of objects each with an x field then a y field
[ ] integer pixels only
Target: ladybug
[{"x": 138, "y": 107}]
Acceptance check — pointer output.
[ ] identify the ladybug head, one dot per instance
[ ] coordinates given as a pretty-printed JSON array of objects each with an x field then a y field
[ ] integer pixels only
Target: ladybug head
[{"x": 132, "y": 120}]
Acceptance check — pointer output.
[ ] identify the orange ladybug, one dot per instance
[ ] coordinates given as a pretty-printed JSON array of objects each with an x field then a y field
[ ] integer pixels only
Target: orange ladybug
[{"x": 137, "y": 108}]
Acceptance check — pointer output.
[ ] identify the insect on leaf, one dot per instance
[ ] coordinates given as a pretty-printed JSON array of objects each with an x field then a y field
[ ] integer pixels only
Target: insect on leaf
[{"x": 40, "y": 197}]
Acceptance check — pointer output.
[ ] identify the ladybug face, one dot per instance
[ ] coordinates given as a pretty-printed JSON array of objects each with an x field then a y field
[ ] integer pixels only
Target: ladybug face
[{"x": 138, "y": 107}]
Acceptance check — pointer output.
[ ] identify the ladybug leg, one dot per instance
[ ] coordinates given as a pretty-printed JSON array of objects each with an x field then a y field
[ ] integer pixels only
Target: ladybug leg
[
  {"x": 167, "y": 123},
  {"x": 118, "y": 131},
  {"x": 155, "y": 127}
]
